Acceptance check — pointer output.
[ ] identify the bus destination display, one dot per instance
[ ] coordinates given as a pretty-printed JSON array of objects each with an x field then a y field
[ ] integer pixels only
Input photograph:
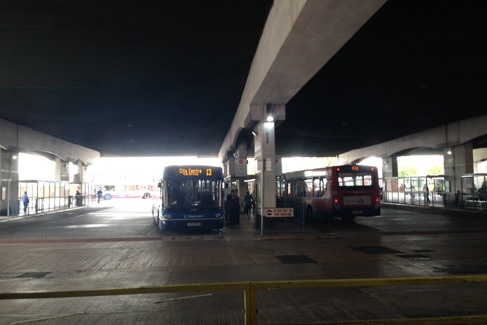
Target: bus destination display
[{"x": 195, "y": 171}]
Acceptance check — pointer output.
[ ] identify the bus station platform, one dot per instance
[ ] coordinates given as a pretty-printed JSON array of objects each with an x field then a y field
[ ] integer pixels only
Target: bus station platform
[{"x": 111, "y": 265}]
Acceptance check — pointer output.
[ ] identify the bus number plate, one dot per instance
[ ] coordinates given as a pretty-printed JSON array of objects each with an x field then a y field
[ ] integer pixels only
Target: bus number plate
[{"x": 194, "y": 224}]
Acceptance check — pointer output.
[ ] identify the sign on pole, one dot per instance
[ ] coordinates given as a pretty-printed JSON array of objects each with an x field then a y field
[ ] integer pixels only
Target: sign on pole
[{"x": 279, "y": 212}]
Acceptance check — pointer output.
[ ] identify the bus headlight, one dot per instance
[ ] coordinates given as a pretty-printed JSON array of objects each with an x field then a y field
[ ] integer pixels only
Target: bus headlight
[{"x": 168, "y": 216}]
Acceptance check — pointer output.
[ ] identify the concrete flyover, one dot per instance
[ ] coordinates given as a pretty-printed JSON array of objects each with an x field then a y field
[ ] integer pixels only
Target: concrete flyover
[
  {"x": 299, "y": 38},
  {"x": 15, "y": 138},
  {"x": 455, "y": 141},
  {"x": 18, "y": 138},
  {"x": 442, "y": 138}
]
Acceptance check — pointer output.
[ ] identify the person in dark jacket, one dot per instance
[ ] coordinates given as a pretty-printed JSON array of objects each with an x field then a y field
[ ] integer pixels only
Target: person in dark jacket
[
  {"x": 234, "y": 208},
  {"x": 227, "y": 205}
]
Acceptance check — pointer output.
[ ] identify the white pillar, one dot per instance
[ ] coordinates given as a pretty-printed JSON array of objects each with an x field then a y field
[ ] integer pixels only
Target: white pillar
[
  {"x": 81, "y": 172},
  {"x": 61, "y": 170},
  {"x": 241, "y": 156},
  {"x": 458, "y": 161},
  {"x": 9, "y": 166},
  {"x": 389, "y": 167},
  {"x": 265, "y": 157}
]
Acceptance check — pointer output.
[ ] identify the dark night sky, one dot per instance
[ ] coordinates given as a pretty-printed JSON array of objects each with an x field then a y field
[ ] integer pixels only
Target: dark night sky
[{"x": 139, "y": 78}]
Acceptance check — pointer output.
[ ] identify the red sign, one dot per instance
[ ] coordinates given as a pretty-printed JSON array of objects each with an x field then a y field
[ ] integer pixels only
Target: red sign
[{"x": 280, "y": 212}]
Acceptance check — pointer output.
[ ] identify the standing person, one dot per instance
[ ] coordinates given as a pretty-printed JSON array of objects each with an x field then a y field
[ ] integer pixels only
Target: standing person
[
  {"x": 248, "y": 199},
  {"x": 235, "y": 208},
  {"x": 228, "y": 205},
  {"x": 99, "y": 194},
  {"x": 426, "y": 194},
  {"x": 25, "y": 200},
  {"x": 78, "y": 199}
]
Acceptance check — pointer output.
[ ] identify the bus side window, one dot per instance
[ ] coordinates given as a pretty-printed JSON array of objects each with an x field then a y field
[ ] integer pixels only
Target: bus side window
[
  {"x": 299, "y": 188},
  {"x": 317, "y": 187},
  {"x": 368, "y": 180},
  {"x": 324, "y": 183},
  {"x": 308, "y": 183},
  {"x": 359, "y": 180},
  {"x": 163, "y": 193}
]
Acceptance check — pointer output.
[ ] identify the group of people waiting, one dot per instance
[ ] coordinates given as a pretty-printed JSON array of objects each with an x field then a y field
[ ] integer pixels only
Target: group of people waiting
[{"x": 233, "y": 207}]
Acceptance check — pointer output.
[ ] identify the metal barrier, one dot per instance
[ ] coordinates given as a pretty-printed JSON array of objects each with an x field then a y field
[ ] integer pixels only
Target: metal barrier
[
  {"x": 266, "y": 226},
  {"x": 40, "y": 205},
  {"x": 250, "y": 294}
]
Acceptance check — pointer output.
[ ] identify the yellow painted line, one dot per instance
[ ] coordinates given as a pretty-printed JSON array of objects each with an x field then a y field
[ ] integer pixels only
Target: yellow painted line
[
  {"x": 183, "y": 298},
  {"x": 373, "y": 282},
  {"x": 298, "y": 238},
  {"x": 250, "y": 294},
  {"x": 470, "y": 319},
  {"x": 327, "y": 283},
  {"x": 127, "y": 291}
]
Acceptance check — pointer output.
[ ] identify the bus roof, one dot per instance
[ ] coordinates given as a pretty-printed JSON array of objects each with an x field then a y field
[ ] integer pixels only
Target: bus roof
[{"x": 325, "y": 170}]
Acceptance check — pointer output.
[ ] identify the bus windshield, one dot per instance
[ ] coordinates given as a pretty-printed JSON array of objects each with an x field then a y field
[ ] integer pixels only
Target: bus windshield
[
  {"x": 193, "y": 195},
  {"x": 347, "y": 180}
]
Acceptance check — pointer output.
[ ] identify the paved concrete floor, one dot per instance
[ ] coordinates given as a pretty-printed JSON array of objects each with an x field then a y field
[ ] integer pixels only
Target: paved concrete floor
[{"x": 117, "y": 246}]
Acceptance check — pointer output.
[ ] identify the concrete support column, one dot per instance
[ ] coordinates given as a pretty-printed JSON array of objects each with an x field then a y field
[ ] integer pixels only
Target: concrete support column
[
  {"x": 81, "y": 172},
  {"x": 241, "y": 154},
  {"x": 389, "y": 167},
  {"x": 61, "y": 170},
  {"x": 265, "y": 157},
  {"x": 9, "y": 166},
  {"x": 458, "y": 161},
  {"x": 235, "y": 171}
]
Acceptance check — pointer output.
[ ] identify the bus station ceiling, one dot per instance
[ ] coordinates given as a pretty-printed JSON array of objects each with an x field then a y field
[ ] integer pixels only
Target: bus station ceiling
[{"x": 164, "y": 78}]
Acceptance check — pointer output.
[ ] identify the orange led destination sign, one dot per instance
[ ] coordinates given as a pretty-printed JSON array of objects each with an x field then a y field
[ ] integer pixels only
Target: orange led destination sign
[{"x": 195, "y": 171}]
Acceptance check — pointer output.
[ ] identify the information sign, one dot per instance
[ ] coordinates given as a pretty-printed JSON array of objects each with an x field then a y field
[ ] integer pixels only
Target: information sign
[{"x": 279, "y": 212}]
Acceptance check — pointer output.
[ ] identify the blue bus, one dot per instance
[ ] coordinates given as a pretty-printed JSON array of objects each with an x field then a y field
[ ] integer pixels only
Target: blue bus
[{"x": 191, "y": 197}]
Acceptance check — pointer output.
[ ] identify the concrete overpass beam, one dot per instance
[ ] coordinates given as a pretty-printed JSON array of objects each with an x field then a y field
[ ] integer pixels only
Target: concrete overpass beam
[{"x": 299, "y": 38}]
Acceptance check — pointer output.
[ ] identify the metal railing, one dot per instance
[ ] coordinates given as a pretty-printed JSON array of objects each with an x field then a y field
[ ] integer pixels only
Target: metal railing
[
  {"x": 250, "y": 294},
  {"x": 40, "y": 205}
]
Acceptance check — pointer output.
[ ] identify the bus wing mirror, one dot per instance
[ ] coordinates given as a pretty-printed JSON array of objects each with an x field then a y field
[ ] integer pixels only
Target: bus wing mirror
[{"x": 159, "y": 185}]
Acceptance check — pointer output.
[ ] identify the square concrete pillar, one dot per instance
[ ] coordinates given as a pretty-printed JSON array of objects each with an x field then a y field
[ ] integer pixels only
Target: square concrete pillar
[
  {"x": 265, "y": 157},
  {"x": 389, "y": 167},
  {"x": 458, "y": 161}
]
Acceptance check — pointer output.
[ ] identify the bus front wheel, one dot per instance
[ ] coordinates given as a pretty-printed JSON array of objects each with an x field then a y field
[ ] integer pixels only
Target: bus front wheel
[{"x": 146, "y": 196}]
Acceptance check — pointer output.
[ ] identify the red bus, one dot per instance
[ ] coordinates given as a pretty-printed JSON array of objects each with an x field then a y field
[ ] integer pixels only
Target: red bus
[{"x": 341, "y": 191}]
